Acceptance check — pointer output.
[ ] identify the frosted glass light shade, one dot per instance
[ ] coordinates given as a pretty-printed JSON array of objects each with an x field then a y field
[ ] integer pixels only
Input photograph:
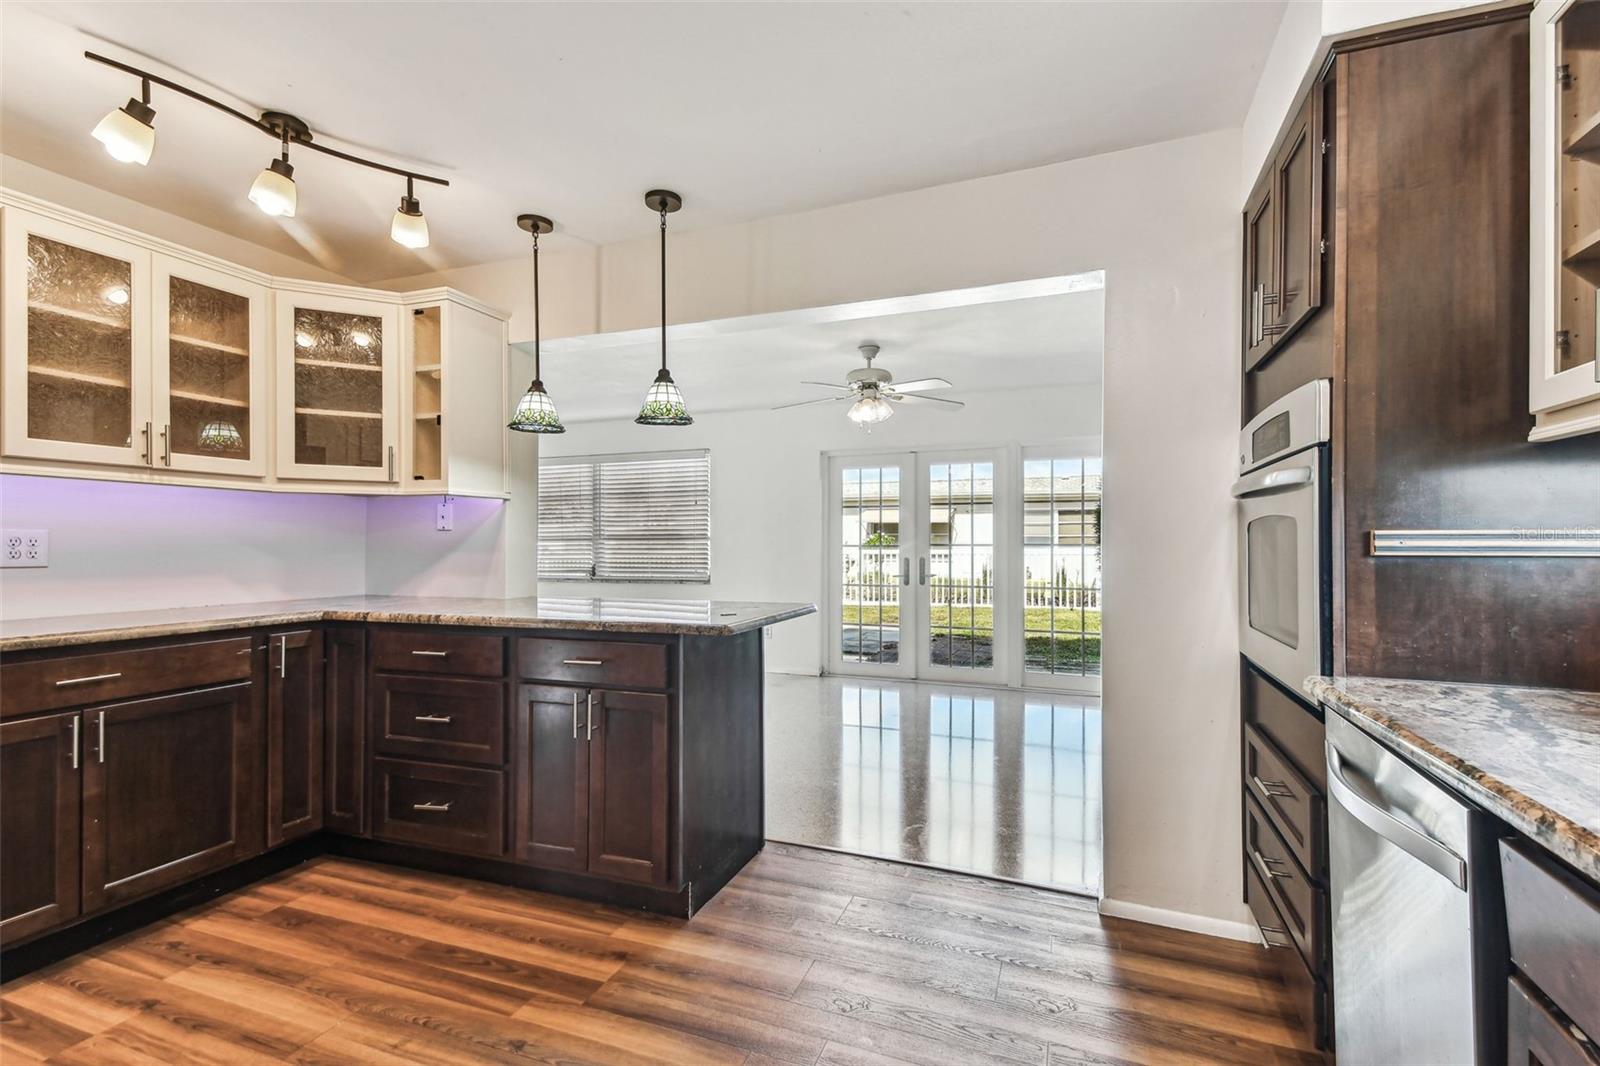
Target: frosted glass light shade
[
  {"x": 274, "y": 190},
  {"x": 663, "y": 404},
  {"x": 870, "y": 410},
  {"x": 128, "y": 134},
  {"x": 536, "y": 413},
  {"x": 409, "y": 229},
  {"x": 220, "y": 437}
]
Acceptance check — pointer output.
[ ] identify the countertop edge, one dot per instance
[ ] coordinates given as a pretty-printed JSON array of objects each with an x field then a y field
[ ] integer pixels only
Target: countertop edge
[
  {"x": 45, "y": 641},
  {"x": 1574, "y": 844}
]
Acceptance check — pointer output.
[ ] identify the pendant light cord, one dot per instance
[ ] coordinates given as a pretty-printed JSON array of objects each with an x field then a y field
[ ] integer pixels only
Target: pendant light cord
[
  {"x": 663, "y": 288},
  {"x": 536, "y": 303}
]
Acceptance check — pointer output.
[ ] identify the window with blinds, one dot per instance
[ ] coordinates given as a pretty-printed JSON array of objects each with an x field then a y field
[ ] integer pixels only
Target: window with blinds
[{"x": 630, "y": 518}]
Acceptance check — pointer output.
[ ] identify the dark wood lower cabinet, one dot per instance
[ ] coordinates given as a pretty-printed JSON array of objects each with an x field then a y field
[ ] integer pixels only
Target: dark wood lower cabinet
[
  {"x": 163, "y": 790},
  {"x": 294, "y": 734},
  {"x": 39, "y": 823},
  {"x": 344, "y": 732},
  {"x": 551, "y": 778},
  {"x": 628, "y": 800},
  {"x": 449, "y": 807}
]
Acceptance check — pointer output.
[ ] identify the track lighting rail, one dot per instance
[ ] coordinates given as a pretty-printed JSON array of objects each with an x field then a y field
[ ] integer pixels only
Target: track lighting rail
[{"x": 297, "y": 133}]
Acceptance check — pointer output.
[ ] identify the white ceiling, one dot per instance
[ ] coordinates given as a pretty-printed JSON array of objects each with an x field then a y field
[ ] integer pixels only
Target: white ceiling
[
  {"x": 573, "y": 110},
  {"x": 757, "y": 363}
]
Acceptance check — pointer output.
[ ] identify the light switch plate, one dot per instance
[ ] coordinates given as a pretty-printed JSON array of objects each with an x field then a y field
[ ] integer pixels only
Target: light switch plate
[{"x": 25, "y": 547}]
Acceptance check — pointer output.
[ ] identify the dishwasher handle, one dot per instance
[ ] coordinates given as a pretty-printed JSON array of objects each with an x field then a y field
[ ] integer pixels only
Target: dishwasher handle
[{"x": 1419, "y": 845}]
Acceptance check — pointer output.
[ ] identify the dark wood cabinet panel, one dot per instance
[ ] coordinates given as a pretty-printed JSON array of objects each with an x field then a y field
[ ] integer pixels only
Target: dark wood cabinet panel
[
  {"x": 344, "y": 734},
  {"x": 294, "y": 734},
  {"x": 1260, "y": 270},
  {"x": 1306, "y": 990},
  {"x": 39, "y": 824},
  {"x": 1295, "y": 805},
  {"x": 437, "y": 651},
  {"x": 1300, "y": 902},
  {"x": 163, "y": 790},
  {"x": 593, "y": 663},
  {"x": 439, "y": 718},
  {"x": 73, "y": 680},
  {"x": 550, "y": 771},
  {"x": 448, "y": 807},
  {"x": 628, "y": 792},
  {"x": 1298, "y": 174}
]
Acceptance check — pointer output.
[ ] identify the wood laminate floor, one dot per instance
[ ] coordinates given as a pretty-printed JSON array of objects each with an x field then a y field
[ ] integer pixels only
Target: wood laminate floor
[{"x": 807, "y": 957}]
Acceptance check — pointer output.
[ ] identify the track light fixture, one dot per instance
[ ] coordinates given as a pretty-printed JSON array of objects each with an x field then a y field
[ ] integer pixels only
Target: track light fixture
[
  {"x": 129, "y": 132},
  {"x": 129, "y": 135},
  {"x": 663, "y": 403},
  {"x": 536, "y": 412}
]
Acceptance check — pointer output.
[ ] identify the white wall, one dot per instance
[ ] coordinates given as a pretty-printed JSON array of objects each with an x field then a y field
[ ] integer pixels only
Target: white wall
[
  {"x": 1162, "y": 221},
  {"x": 407, "y": 554},
  {"x": 767, "y": 490}
]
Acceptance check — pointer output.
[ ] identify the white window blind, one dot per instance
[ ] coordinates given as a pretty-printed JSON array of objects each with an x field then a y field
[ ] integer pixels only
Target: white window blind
[{"x": 629, "y": 518}]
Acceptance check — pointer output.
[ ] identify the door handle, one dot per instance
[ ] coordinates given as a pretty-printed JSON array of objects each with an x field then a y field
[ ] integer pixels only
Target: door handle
[
  {"x": 166, "y": 444},
  {"x": 442, "y": 719},
  {"x": 1419, "y": 845},
  {"x": 87, "y": 680},
  {"x": 283, "y": 656},
  {"x": 905, "y": 570},
  {"x": 1275, "y": 789},
  {"x": 431, "y": 654},
  {"x": 922, "y": 569},
  {"x": 589, "y": 719},
  {"x": 149, "y": 455},
  {"x": 391, "y": 462},
  {"x": 574, "y": 716},
  {"x": 1265, "y": 865},
  {"x": 430, "y": 806},
  {"x": 583, "y": 662},
  {"x": 100, "y": 745},
  {"x": 75, "y": 719}
]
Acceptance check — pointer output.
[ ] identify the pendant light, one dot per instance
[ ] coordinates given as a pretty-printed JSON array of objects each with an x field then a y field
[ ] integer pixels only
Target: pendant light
[
  {"x": 129, "y": 132},
  {"x": 274, "y": 190},
  {"x": 663, "y": 404},
  {"x": 536, "y": 413},
  {"x": 409, "y": 229}
]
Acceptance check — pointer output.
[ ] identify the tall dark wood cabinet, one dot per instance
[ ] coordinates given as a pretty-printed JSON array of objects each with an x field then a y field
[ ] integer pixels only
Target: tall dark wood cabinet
[
  {"x": 551, "y": 771},
  {"x": 40, "y": 764},
  {"x": 294, "y": 734},
  {"x": 165, "y": 790},
  {"x": 344, "y": 741}
]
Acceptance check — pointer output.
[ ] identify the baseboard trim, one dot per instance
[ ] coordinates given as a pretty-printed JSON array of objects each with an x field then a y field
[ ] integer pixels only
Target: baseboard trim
[{"x": 1191, "y": 923}]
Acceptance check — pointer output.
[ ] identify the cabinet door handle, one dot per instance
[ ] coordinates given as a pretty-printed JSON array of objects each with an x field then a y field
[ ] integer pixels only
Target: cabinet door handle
[
  {"x": 574, "y": 716},
  {"x": 166, "y": 444},
  {"x": 75, "y": 741},
  {"x": 431, "y": 654},
  {"x": 1266, "y": 865},
  {"x": 283, "y": 656},
  {"x": 100, "y": 746},
  {"x": 430, "y": 806},
  {"x": 583, "y": 662},
  {"x": 443, "y": 719},
  {"x": 1255, "y": 316},
  {"x": 87, "y": 680},
  {"x": 1274, "y": 788},
  {"x": 391, "y": 462},
  {"x": 149, "y": 455},
  {"x": 589, "y": 721}
]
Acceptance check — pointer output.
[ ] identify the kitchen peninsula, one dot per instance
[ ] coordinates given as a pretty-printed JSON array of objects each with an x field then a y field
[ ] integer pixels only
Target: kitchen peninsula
[{"x": 607, "y": 749}]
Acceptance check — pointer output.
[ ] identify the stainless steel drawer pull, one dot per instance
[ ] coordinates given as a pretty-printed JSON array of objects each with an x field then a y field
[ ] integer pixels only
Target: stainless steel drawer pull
[
  {"x": 87, "y": 680},
  {"x": 574, "y": 716},
  {"x": 100, "y": 748},
  {"x": 583, "y": 662},
  {"x": 75, "y": 742},
  {"x": 431, "y": 654},
  {"x": 588, "y": 725},
  {"x": 442, "y": 719},
  {"x": 430, "y": 806},
  {"x": 1274, "y": 788},
  {"x": 1269, "y": 866}
]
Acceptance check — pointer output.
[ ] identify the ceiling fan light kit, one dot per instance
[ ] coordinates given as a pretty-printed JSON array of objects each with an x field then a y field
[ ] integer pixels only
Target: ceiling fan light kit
[
  {"x": 875, "y": 392},
  {"x": 129, "y": 136}
]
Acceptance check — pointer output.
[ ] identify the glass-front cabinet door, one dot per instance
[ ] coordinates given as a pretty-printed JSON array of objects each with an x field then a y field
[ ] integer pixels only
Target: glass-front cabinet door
[
  {"x": 77, "y": 344},
  {"x": 210, "y": 369},
  {"x": 337, "y": 390}
]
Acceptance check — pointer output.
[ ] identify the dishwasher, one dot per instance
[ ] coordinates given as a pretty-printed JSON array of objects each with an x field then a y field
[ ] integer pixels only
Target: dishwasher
[{"x": 1419, "y": 957}]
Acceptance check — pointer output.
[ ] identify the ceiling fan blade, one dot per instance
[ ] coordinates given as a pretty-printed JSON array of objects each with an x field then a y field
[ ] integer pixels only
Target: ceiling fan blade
[
  {"x": 829, "y": 385},
  {"x": 921, "y": 385},
  {"x": 947, "y": 404},
  {"x": 808, "y": 403}
]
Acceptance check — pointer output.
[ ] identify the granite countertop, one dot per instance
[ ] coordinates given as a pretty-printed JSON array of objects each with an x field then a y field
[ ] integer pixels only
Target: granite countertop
[
  {"x": 713, "y": 618},
  {"x": 1531, "y": 756}
]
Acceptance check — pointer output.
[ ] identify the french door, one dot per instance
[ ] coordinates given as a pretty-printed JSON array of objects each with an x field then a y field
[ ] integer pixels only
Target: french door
[{"x": 919, "y": 587}]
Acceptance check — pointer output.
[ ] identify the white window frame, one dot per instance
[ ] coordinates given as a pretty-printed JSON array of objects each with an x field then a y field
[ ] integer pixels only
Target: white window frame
[{"x": 597, "y": 535}]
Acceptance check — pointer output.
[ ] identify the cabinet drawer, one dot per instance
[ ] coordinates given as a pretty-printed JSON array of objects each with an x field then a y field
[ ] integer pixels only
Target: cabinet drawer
[
  {"x": 449, "y": 807},
  {"x": 1536, "y": 1035},
  {"x": 1294, "y": 805},
  {"x": 45, "y": 684},
  {"x": 1553, "y": 920},
  {"x": 613, "y": 664},
  {"x": 1308, "y": 994},
  {"x": 1301, "y": 904},
  {"x": 431, "y": 651},
  {"x": 439, "y": 718},
  {"x": 1294, "y": 728}
]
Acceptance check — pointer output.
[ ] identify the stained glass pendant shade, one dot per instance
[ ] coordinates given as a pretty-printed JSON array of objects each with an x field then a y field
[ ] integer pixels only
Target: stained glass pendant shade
[
  {"x": 220, "y": 437},
  {"x": 536, "y": 412},
  {"x": 663, "y": 404}
]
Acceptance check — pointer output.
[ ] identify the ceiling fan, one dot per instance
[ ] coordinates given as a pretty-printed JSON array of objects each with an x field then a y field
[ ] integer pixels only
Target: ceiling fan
[{"x": 875, "y": 392}]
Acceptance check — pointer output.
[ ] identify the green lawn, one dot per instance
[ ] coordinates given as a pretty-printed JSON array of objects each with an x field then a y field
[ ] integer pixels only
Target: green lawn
[{"x": 980, "y": 619}]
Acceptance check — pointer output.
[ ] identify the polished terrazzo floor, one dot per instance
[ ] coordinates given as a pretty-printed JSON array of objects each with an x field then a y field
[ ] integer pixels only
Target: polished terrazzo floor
[{"x": 996, "y": 782}]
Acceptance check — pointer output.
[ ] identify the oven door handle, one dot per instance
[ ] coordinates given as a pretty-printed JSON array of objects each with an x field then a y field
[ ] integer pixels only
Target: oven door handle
[{"x": 1267, "y": 481}]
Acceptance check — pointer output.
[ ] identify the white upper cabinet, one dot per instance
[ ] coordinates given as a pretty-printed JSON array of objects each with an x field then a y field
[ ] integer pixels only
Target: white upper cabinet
[
  {"x": 76, "y": 344},
  {"x": 1564, "y": 244},
  {"x": 338, "y": 408},
  {"x": 129, "y": 358},
  {"x": 210, "y": 369}
]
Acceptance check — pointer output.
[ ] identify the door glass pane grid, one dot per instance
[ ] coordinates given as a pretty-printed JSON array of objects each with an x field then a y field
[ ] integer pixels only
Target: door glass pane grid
[
  {"x": 870, "y": 564},
  {"x": 961, "y": 782},
  {"x": 1061, "y": 794},
  {"x": 208, "y": 358},
  {"x": 961, "y": 565},
  {"x": 338, "y": 388},
  {"x": 869, "y": 776},
  {"x": 1061, "y": 565},
  {"x": 80, "y": 345}
]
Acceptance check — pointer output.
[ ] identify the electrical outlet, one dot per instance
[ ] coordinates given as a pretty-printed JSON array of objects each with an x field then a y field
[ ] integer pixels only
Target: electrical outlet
[
  {"x": 446, "y": 518},
  {"x": 25, "y": 547}
]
